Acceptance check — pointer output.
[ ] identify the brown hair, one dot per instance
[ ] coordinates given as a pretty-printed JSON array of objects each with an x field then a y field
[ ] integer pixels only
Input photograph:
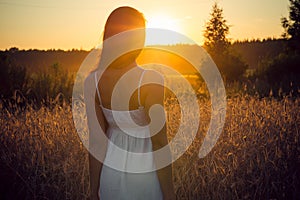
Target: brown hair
[{"x": 123, "y": 19}]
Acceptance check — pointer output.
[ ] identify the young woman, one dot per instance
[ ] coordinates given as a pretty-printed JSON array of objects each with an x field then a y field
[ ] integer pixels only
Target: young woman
[{"x": 107, "y": 183}]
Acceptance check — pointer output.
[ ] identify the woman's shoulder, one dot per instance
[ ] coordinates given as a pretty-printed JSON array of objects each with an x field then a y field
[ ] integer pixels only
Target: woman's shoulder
[
  {"x": 90, "y": 77},
  {"x": 89, "y": 80}
]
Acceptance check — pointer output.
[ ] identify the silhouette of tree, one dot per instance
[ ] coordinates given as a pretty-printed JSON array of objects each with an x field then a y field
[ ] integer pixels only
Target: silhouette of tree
[
  {"x": 291, "y": 25},
  {"x": 217, "y": 44},
  {"x": 216, "y": 32}
]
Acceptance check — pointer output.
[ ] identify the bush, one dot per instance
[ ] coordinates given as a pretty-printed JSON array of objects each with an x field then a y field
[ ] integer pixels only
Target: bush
[
  {"x": 45, "y": 86},
  {"x": 230, "y": 65},
  {"x": 51, "y": 82},
  {"x": 12, "y": 77},
  {"x": 282, "y": 73}
]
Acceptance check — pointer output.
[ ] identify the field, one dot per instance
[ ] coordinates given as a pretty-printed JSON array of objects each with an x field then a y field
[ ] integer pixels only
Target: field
[{"x": 256, "y": 156}]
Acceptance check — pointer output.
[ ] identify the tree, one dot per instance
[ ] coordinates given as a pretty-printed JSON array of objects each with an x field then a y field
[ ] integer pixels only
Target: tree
[
  {"x": 216, "y": 32},
  {"x": 12, "y": 76},
  {"x": 217, "y": 44},
  {"x": 291, "y": 25}
]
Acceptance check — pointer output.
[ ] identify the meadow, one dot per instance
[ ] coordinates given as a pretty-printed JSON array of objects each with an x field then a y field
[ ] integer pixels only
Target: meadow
[{"x": 256, "y": 156}]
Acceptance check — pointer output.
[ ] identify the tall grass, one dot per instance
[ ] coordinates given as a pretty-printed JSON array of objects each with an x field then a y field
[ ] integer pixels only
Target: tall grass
[
  {"x": 256, "y": 156},
  {"x": 41, "y": 155}
]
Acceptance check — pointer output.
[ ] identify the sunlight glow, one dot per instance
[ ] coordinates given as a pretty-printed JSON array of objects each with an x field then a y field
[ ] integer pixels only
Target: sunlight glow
[{"x": 163, "y": 22}]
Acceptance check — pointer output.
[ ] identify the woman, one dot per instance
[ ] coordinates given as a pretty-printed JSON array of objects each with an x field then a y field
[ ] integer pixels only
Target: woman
[{"x": 108, "y": 183}]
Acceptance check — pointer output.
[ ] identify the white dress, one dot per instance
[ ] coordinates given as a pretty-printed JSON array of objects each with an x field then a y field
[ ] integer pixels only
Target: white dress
[{"x": 119, "y": 184}]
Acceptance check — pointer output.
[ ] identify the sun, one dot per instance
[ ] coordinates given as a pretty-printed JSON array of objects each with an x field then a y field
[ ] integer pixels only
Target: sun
[
  {"x": 163, "y": 22},
  {"x": 160, "y": 21}
]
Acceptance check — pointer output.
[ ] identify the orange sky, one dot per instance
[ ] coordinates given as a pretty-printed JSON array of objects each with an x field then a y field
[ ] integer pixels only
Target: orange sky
[{"x": 67, "y": 24}]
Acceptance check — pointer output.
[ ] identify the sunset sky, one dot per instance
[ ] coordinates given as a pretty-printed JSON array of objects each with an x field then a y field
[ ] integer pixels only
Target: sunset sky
[{"x": 67, "y": 24}]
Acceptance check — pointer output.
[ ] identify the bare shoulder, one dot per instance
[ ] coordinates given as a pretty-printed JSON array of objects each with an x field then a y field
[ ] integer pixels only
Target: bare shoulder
[
  {"x": 89, "y": 85},
  {"x": 90, "y": 77},
  {"x": 89, "y": 80}
]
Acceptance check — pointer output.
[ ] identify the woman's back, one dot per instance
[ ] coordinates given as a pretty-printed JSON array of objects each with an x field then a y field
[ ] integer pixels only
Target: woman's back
[
  {"x": 128, "y": 131},
  {"x": 132, "y": 116},
  {"x": 120, "y": 82}
]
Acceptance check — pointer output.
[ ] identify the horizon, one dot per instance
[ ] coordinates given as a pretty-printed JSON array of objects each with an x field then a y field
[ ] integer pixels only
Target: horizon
[
  {"x": 67, "y": 25},
  {"x": 173, "y": 44}
]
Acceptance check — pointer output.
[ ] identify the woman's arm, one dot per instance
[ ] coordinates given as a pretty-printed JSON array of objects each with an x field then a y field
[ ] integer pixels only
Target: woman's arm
[
  {"x": 165, "y": 174},
  {"x": 95, "y": 166},
  {"x": 97, "y": 145},
  {"x": 155, "y": 95}
]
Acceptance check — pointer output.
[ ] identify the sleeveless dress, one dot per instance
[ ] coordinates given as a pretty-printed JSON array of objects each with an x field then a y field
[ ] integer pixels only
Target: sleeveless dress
[{"x": 121, "y": 184}]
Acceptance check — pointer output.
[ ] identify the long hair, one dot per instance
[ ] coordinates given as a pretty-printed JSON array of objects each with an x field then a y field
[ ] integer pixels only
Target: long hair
[{"x": 124, "y": 19}]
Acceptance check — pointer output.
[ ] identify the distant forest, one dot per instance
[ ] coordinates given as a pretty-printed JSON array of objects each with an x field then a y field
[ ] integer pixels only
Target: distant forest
[
  {"x": 38, "y": 60},
  {"x": 253, "y": 52},
  {"x": 43, "y": 75}
]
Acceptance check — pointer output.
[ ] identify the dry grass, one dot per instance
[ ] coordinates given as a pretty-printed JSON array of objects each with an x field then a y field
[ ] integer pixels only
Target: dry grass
[
  {"x": 42, "y": 155},
  {"x": 256, "y": 156}
]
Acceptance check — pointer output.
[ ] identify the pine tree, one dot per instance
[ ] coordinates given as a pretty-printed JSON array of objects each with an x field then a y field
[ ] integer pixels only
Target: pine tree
[
  {"x": 217, "y": 45},
  {"x": 216, "y": 32},
  {"x": 292, "y": 25}
]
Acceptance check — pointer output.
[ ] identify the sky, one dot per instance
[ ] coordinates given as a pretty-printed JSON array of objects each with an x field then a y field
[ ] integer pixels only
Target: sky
[{"x": 68, "y": 24}]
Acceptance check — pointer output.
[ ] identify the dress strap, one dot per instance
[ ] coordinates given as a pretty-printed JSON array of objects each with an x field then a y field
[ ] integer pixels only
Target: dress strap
[
  {"x": 139, "y": 88},
  {"x": 96, "y": 82}
]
